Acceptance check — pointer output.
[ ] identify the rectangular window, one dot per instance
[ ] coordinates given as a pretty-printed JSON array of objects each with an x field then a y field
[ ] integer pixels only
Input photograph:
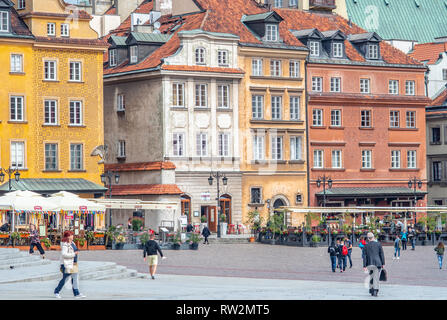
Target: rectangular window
[
  {"x": 366, "y": 159},
  {"x": 258, "y": 147},
  {"x": 395, "y": 159},
  {"x": 257, "y": 106},
  {"x": 318, "y": 158},
  {"x": 314, "y": 47},
  {"x": 51, "y": 156},
  {"x": 121, "y": 149},
  {"x": 255, "y": 195},
  {"x": 411, "y": 119},
  {"x": 277, "y": 148},
  {"x": 317, "y": 117},
  {"x": 17, "y": 155},
  {"x": 337, "y": 50},
  {"x": 437, "y": 170},
  {"x": 294, "y": 108},
  {"x": 120, "y": 102},
  {"x": 51, "y": 29},
  {"x": 201, "y": 145},
  {"x": 271, "y": 32},
  {"x": 293, "y": 3},
  {"x": 112, "y": 57},
  {"x": 336, "y": 118},
  {"x": 20, "y": 4},
  {"x": 178, "y": 94},
  {"x": 373, "y": 51},
  {"x": 224, "y": 144},
  {"x": 50, "y": 112},
  {"x": 436, "y": 135},
  {"x": 223, "y": 92},
  {"x": 222, "y": 57},
  {"x": 276, "y": 107},
  {"x": 76, "y": 156},
  {"x": 410, "y": 87},
  {"x": 65, "y": 30},
  {"x": 50, "y": 70},
  {"x": 364, "y": 86},
  {"x": 336, "y": 159},
  {"x": 178, "y": 144},
  {"x": 200, "y": 56},
  {"x": 275, "y": 68},
  {"x": 317, "y": 84},
  {"x": 4, "y": 21},
  {"x": 278, "y": 3},
  {"x": 75, "y": 71},
  {"x": 16, "y": 106},
  {"x": 411, "y": 159},
  {"x": 76, "y": 113},
  {"x": 335, "y": 84},
  {"x": 394, "y": 119},
  {"x": 296, "y": 148},
  {"x": 294, "y": 69},
  {"x": 201, "y": 95},
  {"x": 16, "y": 63},
  {"x": 444, "y": 74},
  {"x": 133, "y": 54},
  {"x": 256, "y": 67},
  {"x": 365, "y": 121},
  {"x": 393, "y": 87}
]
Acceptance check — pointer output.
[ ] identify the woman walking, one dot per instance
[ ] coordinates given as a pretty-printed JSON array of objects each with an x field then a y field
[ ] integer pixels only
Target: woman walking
[
  {"x": 35, "y": 241},
  {"x": 397, "y": 246},
  {"x": 68, "y": 266},
  {"x": 332, "y": 250},
  {"x": 404, "y": 235},
  {"x": 440, "y": 253}
]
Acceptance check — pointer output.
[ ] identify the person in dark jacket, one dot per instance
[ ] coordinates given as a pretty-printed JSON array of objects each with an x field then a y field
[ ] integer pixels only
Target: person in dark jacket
[
  {"x": 411, "y": 237},
  {"x": 189, "y": 228},
  {"x": 35, "y": 241},
  {"x": 374, "y": 261},
  {"x": 332, "y": 250},
  {"x": 150, "y": 249},
  {"x": 206, "y": 233},
  {"x": 440, "y": 253},
  {"x": 341, "y": 257}
]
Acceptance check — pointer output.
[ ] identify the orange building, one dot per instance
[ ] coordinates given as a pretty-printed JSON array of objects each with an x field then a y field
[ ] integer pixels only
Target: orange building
[{"x": 366, "y": 115}]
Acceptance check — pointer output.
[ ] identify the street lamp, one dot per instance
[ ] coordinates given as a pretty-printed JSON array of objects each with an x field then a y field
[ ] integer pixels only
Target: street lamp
[
  {"x": 218, "y": 176},
  {"x": 412, "y": 184},
  {"x": 106, "y": 179},
  {"x": 323, "y": 180},
  {"x": 9, "y": 172}
]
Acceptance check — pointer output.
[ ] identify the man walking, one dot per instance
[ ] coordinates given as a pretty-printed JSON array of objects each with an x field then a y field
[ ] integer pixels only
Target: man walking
[
  {"x": 373, "y": 262},
  {"x": 348, "y": 245},
  {"x": 332, "y": 250},
  {"x": 411, "y": 237},
  {"x": 151, "y": 249},
  {"x": 342, "y": 253},
  {"x": 206, "y": 233}
]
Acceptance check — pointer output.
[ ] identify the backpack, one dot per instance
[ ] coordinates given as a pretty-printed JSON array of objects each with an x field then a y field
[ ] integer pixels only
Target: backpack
[
  {"x": 344, "y": 250},
  {"x": 331, "y": 250}
]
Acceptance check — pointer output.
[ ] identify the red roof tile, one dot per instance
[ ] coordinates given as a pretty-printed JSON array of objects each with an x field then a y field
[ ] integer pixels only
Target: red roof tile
[
  {"x": 440, "y": 99},
  {"x": 146, "y": 189},
  {"x": 428, "y": 51},
  {"x": 140, "y": 166},
  {"x": 18, "y": 26},
  {"x": 201, "y": 69}
]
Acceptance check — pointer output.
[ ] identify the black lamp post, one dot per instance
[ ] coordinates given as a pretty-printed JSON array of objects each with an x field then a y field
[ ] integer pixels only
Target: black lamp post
[
  {"x": 106, "y": 179},
  {"x": 323, "y": 180},
  {"x": 412, "y": 184},
  {"x": 218, "y": 176},
  {"x": 9, "y": 172}
]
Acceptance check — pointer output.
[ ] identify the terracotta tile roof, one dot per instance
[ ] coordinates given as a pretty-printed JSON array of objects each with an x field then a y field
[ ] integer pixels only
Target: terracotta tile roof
[
  {"x": 146, "y": 189},
  {"x": 111, "y": 10},
  {"x": 81, "y": 14},
  {"x": 440, "y": 99},
  {"x": 145, "y": 7},
  {"x": 300, "y": 20},
  {"x": 201, "y": 69},
  {"x": 18, "y": 26},
  {"x": 428, "y": 51},
  {"x": 140, "y": 166},
  {"x": 89, "y": 42}
]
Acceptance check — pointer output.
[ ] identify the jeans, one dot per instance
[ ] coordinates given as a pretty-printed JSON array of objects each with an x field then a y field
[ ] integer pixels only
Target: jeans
[
  {"x": 413, "y": 240},
  {"x": 342, "y": 262},
  {"x": 349, "y": 257},
  {"x": 206, "y": 240},
  {"x": 74, "y": 281},
  {"x": 39, "y": 247},
  {"x": 404, "y": 244},
  {"x": 333, "y": 262},
  {"x": 396, "y": 251},
  {"x": 440, "y": 257}
]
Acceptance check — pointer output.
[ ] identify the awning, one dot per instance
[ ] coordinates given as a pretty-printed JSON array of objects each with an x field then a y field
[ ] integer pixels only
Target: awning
[
  {"x": 136, "y": 204},
  {"x": 54, "y": 185},
  {"x": 371, "y": 192}
]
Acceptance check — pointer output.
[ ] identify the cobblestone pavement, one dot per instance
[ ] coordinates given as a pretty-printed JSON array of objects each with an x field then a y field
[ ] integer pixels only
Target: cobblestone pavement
[{"x": 415, "y": 268}]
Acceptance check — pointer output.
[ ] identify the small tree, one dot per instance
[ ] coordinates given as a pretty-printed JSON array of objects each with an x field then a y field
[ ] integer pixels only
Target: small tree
[{"x": 254, "y": 219}]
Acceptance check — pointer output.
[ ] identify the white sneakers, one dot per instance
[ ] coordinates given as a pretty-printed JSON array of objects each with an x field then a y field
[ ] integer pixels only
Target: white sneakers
[
  {"x": 57, "y": 296},
  {"x": 80, "y": 296}
]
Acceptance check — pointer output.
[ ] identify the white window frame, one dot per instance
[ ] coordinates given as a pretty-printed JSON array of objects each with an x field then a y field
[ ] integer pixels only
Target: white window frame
[
  {"x": 256, "y": 67},
  {"x": 277, "y": 148},
  {"x": 76, "y": 111},
  {"x": 295, "y": 109},
  {"x": 201, "y": 95},
  {"x": 336, "y": 159},
  {"x": 317, "y": 84},
  {"x": 16, "y": 63},
  {"x": 50, "y": 70},
  {"x": 202, "y": 144},
  {"x": 51, "y": 29},
  {"x": 17, "y": 154},
  {"x": 271, "y": 32},
  {"x": 373, "y": 51},
  {"x": 410, "y": 119},
  {"x": 410, "y": 86},
  {"x": 314, "y": 47},
  {"x": 222, "y": 58},
  {"x": 223, "y": 144},
  {"x": 76, "y": 156},
  {"x": 337, "y": 49},
  {"x": 121, "y": 150},
  {"x": 4, "y": 21},
  {"x": 178, "y": 94},
  {"x": 335, "y": 118},
  {"x": 394, "y": 119},
  {"x": 296, "y": 148},
  {"x": 365, "y": 85},
  {"x": 317, "y": 117},
  {"x": 395, "y": 159},
  {"x": 276, "y": 107},
  {"x": 278, "y": 4},
  {"x": 365, "y": 118},
  {"x": 223, "y": 96},
  {"x": 112, "y": 57},
  {"x": 257, "y": 106},
  {"x": 178, "y": 144},
  {"x": 76, "y": 71},
  {"x": 275, "y": 68},
  {"x": 393, "y": 86},
  {"x": 366, "y": 159},
  {"x": 51, "y": 109},
  {"x": 200, "y": 55},
  {"x": 335, "y": 84},
  {"x": 133, "y": 53},
  {"x": 318, "y": 159},
  {"x": 294, "y": 69},
  {"x": 258, "y": 147},
  {"x": 21, "y": 4},
  {"x": 14, "y": 106},
  {"x": 65, "y": 30},
  {"x": 52, "y": 158},
  {"x": 411, "y": 159},
  {"x": 120, "y": 102}
]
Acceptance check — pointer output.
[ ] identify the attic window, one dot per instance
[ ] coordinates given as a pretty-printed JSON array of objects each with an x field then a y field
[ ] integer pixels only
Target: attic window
[
  {"x": 133, "y": 54},
  {"x": 314, "y": 47},
  {"x": 4, "y": 21},
  {"x": 112, "y": 57},
  {"x": 337, "y": 49},
  {"x": 200, "y": 56},
  {"x": 21, "y": 4},
  {"x": 271, "y": 32},
  {"x": 373, "y": 51}
]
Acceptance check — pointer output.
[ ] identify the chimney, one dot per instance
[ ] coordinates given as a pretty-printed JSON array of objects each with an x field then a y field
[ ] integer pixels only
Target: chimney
[{"x": 322, "y": 5}]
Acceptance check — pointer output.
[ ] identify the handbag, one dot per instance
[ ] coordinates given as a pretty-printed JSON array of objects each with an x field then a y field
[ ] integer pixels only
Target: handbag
[{"x": 383, "y": 275}]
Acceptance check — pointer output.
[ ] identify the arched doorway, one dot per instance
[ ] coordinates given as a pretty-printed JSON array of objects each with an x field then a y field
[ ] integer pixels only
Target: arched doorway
[
  {"x": 186, "y": 206},
  {"x": 225, "y": 207},
  {"x": 278, "y": 203}
]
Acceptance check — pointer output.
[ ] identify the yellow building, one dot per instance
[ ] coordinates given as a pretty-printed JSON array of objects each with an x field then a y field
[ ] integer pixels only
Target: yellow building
[
  {"x": 273, "y": 128},
  {"x": 52, "y": 97}
]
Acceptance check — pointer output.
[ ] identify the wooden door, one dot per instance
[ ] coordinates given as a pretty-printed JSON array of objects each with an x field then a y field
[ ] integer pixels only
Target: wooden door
[{"x": 212, "y": 218}]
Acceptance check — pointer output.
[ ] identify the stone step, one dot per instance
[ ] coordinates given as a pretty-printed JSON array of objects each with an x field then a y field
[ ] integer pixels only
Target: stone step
[
  {"x": 16, "y": 260},
  {"x": 127, "y": 273},
  {"x": 101, "y": 273},
  {"x": 25, "y": 264}
]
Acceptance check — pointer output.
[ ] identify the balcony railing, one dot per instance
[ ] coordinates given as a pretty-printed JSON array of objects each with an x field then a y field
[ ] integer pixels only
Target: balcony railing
[{"x": 322, "y": 4}]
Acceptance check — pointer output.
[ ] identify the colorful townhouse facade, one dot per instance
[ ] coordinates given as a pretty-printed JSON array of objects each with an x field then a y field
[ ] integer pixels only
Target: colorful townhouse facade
[{"x": 52, "y": 119}]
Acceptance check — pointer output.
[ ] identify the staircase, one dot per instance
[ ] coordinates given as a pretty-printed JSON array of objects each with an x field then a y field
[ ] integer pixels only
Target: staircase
[
  {"x": 229, "y": 239},
  {"x": 20, "y": 266}
]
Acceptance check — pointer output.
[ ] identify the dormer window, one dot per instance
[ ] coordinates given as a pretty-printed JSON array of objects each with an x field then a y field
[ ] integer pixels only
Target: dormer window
[
  {"x": 278, "y": 3},
  {"x": 65, "y": 30},
  {"x": 337, "y": 50},
  {"x": 133, "y": 54},
  {"x": 222, "y": 58},
  {"x": 314, "y": 47},
  {"x": 373, "y": 51},
  {"x": 21, "y": 4},
  {"x": 368, "y": 44},
  {"x": 4, "y": 21},
  {"x": 271, "y": 32},
  {"x": 112, "y": 57},
  {"x": 200, "y": 56}
]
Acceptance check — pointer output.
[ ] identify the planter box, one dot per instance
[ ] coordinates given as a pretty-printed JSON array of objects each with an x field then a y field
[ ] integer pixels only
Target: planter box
[{"x": 96, "y": 247}]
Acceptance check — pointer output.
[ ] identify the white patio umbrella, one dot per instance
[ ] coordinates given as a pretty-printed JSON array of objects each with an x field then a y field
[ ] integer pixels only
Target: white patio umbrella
[{"x": 71, "y": 202}]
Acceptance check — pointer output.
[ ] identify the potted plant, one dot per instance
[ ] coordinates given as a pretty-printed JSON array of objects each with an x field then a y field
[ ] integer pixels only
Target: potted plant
[
  {"x": 177, "y": 241},
  {"x": 90, "y": 236},
  {"x": 223, "y": 223},
  {"x": 46, "y": 242},
  {"x": 15, "y": 236},
  {"x": 109, "y": 235},
  {"x": 120, "y": 240},
  {"x": 254, "y": 220},
  {"x": 4, "y": 235},
  {"x": 315, "y": 240},
  {"x": 137, "y": 224},
  {"x": 194, "y": 241}
]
